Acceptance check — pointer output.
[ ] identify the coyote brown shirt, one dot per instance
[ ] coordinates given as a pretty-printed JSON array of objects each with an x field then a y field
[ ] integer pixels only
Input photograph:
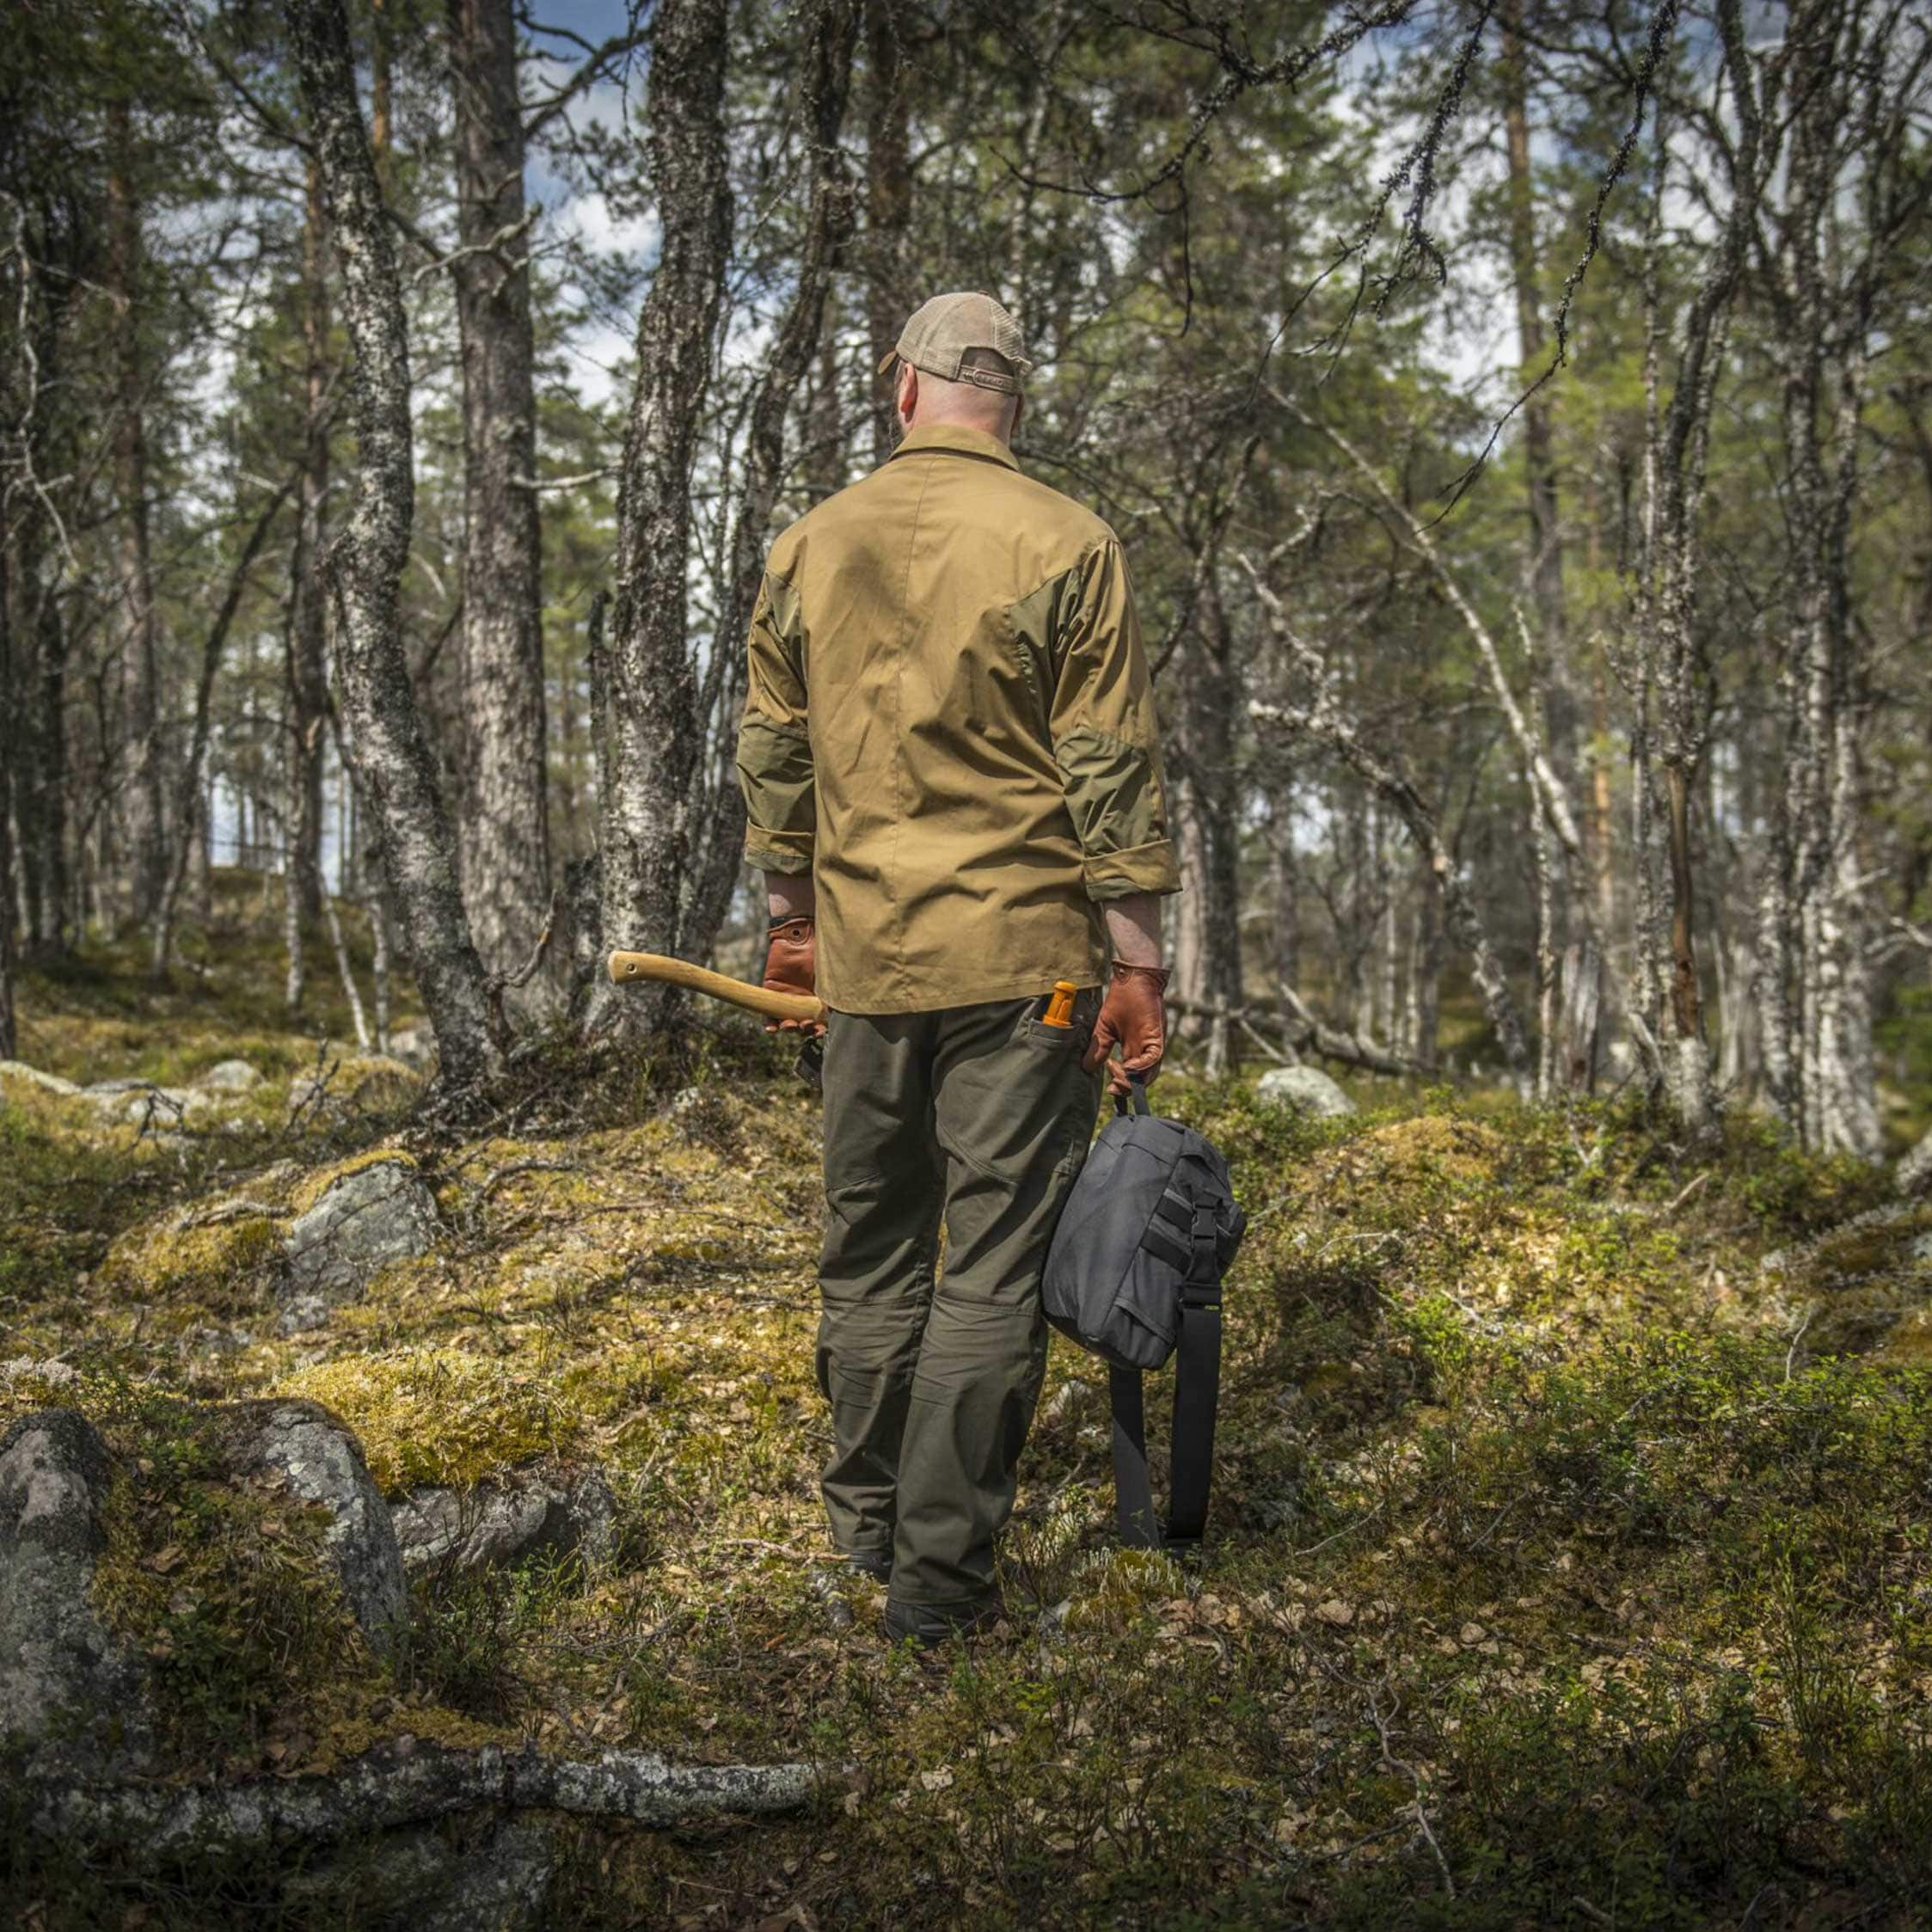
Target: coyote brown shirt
[{"x": 949, "y": 724}]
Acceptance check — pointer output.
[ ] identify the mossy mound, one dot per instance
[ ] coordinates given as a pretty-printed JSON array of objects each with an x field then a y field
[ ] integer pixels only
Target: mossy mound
[
  {"x": 1865, "y": 1286},
  {"x": 441, "y": 1416},
  {"x": 221, "y": 1264}
]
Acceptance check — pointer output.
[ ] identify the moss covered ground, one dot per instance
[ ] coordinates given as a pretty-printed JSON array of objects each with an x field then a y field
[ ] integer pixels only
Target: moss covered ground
[{"x": 1572, "y": 1562}]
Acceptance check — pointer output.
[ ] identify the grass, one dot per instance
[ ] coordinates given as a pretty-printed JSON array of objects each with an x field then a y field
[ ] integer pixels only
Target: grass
[{"x": 1572, "y": 1559}]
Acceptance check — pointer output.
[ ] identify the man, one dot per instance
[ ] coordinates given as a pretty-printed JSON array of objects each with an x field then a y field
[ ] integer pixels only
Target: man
[{"x": 950, "y": 772}]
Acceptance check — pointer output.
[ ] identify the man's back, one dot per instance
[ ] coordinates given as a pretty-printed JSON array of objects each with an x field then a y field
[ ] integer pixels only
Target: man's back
[{"x": 949, "y": 721}]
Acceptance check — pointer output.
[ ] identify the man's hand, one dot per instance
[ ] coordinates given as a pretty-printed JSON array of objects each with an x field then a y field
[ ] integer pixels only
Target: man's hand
[
  {"x": 1132, "y": 1017},
  {"x": 791, "y": 966}
]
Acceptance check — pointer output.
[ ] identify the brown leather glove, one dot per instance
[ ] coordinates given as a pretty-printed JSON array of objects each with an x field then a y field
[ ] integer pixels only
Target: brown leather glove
[
  {"x": 1133, "y": 1018},
  {"x": 791, "y": 966}
]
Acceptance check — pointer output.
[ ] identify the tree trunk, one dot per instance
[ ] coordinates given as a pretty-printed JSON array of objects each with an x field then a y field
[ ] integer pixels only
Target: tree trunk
[
  {"x": 1689, "y": 1071},
  {"x": 1285, "y": 926},
  {"x": 1544, "y": 575},
  {"x": 655, "y": 730},
  {"x": 188, "y": 793},
  {"x": 10, "y": 764},
  {"x": 888, "y": 208},
  {"x": 1189, "y": 937},
  {"x": 308, "y": 633},
  {"x": 504, "y": 818},
  {"x": 1212, "y": 699},
  {"x": 391, "y": 756},
  {"x": 1425, "y": 986},
  {"x": 142, "y": 828}
]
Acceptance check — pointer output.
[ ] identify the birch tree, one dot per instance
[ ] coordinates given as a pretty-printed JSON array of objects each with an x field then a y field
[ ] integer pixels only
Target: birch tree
[
  {"x": 651, "y": 724},
  {"x": 393, "y": 764}
]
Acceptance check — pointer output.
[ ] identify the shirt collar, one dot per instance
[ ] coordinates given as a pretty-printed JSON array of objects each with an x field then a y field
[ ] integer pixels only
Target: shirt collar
[{"x": 959, "y": 440}]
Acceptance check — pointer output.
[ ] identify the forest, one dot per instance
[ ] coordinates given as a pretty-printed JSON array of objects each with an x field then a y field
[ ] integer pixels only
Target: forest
[{"x": 1517, "y": 417}]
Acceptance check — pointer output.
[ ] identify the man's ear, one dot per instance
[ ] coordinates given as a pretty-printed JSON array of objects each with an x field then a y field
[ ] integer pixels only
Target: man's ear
[
  {"x": 908, "y": 393},
  {"x": 1019, "y": 410}
]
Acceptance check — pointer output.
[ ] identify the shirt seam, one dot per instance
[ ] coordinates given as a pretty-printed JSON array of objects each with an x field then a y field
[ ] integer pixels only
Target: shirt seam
[
  {"x": 899, "y": 715},
  {"x": 971, "y": 455}
]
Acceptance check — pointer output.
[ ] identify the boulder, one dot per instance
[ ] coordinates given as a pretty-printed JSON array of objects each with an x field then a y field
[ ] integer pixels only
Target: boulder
[
  {"x": 19, "y": 1069},
  {"x": 321, "y": 1464},
  {"x": 66, "y": 1685},
  {"x": 364, "y": 1221},
  {"x": 163, "y": 1107},
  {"x": 1306, "y": 1089},
  {"x": 525, "y": 1513},
  {"x": 229, "y": 1076},
  {"x": 1072, "y": 1396}
]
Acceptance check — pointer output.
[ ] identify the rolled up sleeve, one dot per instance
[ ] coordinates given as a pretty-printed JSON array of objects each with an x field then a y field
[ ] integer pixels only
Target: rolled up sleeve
[
  {"x": 1106, "y": 735},
  {"x": 775, "y": 767}
]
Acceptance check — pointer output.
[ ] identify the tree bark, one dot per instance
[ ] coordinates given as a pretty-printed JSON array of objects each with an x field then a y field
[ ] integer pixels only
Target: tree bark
[
  {"x": 504, "y": 816},
  {"x": 143, "y": 828},
  {"x": 392, "y": 757},
  {"x": 888, "y": 208},
  {"x": 1544, "y": 574},
  {"x": 406, "y": 1783},
  {"x": 10, "y": 764},
  {"x": 655, "y": 724},
  {"x": 308, "y": 634}
]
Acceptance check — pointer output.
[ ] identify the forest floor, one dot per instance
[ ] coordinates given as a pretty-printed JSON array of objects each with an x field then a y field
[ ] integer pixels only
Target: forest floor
[{"x": 1571, "y": 1564}]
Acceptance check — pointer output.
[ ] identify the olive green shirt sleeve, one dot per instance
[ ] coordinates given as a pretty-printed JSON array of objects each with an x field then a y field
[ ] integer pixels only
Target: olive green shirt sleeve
[
  {"x": 775, "y": 768},
  {"x": 1105, "y": 732}
]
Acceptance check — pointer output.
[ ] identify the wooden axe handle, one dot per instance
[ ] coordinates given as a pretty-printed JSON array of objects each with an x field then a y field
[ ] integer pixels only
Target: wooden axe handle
[{"x": 627, "y": 967}]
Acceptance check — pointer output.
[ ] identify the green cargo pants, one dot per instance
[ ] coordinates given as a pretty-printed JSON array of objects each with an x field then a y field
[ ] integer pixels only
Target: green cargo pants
[{"x": 977, "y": 1117}]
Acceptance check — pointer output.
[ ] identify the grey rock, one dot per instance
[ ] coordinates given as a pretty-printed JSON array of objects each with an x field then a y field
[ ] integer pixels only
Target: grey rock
[
  {"x": 526, "y": 1513},
  {"x": 1071, "y": 1396},
  {"x": 19, "y": 1069},
  {"x": 415, "y": 1045},
  {"x": 1307, "y": 1089},
  {"x": 230, "y": 1076},
  {"x": 303, "y": 1089},
  {"x": 367, "y": 1219},
  {"x": 66, "y": 1685},
  {"x": 112, "y": 1089},
  {"x": 494, "y": 1878},
  {"x": 163, "y": 1107},
  {"x": 321, "y": 1464},
  {"x": 52, "y": 1369}
]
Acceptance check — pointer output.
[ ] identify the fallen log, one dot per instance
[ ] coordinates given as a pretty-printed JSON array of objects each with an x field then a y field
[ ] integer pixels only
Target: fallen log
[
  {"x": 1302, "y": 1032},
  {"x": 409, "y": 1782}
]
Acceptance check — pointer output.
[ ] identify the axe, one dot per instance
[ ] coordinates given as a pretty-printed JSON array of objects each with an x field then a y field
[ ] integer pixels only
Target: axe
[{"x": 629, "y": 967}]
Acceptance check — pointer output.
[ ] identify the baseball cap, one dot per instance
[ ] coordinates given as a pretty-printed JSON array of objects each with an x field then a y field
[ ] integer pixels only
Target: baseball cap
[{"x": 944, "y": 330}]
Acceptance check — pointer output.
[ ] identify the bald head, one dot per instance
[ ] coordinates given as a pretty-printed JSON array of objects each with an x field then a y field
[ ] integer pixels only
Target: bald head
[{"x": 924, "y": 399}]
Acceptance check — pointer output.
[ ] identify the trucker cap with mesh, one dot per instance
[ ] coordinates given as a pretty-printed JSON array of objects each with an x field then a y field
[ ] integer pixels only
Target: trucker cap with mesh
[{"x": 944, "y": 332}]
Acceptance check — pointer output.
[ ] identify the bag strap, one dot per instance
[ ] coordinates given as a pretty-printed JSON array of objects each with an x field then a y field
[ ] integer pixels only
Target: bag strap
[
  {"x": 1133, "y": 1488},
  {"x": 1197, "y": 1396}
]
